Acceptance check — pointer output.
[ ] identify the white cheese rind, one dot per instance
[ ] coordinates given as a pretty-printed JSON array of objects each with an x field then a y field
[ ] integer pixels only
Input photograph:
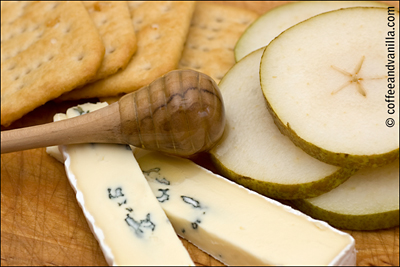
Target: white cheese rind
[
  {"x": 238, "y": 226},
  {"x": 120, "y": 208},
  {"x": 98, "y": 233},
  {"x": 55, "y": 153}
]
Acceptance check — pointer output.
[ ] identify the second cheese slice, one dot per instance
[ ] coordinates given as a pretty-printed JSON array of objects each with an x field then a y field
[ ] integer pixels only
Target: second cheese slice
[
  {"x": 127, "y": 220},
  {"x": 236, "y": 225}
]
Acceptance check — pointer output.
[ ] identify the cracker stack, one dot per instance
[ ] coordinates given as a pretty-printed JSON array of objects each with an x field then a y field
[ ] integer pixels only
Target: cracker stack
[
  {"x": 47, "y": 49},
  {"x": 72, "y": 50},
  {"x": 161, "y": 29},
  {"x": 213, "y": 33}
]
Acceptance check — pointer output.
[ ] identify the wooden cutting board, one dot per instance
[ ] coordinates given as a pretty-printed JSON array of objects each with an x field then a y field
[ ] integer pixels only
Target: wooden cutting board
[{"x": 42, "y": 223}]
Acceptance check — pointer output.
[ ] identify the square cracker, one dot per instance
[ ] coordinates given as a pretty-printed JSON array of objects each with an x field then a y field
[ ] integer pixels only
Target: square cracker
[
  {"x": 161, "y": 30},
  {"x": 113, "y": 21},
  {"x": 213, "y": 34},
  {"x": 47, "y": 48}
]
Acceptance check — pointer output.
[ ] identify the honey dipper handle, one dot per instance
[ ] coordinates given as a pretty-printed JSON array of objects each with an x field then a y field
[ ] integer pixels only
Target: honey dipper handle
[
  {"x": 101, "y": 126},
  {"x": 181, "y": 113}
]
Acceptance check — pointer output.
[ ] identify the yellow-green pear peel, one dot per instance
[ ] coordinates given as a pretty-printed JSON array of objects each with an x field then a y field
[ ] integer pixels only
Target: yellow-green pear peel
[
  {"x": 254, "y": 153},
  {"x": 268, "y": 26},
  {"x": 369, "y": 200},
  {"x": 286, "y": 191},
  {"x": 325, "y": 81}
]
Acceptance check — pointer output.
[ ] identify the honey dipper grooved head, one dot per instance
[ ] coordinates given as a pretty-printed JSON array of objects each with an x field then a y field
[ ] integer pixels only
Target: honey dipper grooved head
[{"x": 181, "y": 113}]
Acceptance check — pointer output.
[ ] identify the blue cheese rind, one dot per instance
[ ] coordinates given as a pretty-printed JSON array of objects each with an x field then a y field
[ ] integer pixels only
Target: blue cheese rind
[
  {"x": 120, "y": 208},
  {"x": 238, "y": 226}
]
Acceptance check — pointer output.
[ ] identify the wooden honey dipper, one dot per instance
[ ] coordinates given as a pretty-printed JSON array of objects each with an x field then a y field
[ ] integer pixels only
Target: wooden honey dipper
[{"x": 181, "y": 113}]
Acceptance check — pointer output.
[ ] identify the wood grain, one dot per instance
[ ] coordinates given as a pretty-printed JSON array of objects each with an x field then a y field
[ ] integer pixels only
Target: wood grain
[
  {"x": 377, "y": 248},
  {"x": 42, "y": 223}
]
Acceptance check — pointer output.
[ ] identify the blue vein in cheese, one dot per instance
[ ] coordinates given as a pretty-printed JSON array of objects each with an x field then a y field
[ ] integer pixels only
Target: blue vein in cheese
[
  {"x": 155, "y": 173},
  {"x": 121, "y": 210},
  {"x": 191, "y": 201},
  {"x": 117, "y": 194},
  {"x": 163, "y": 181},
  {"x": 238, "y": 226},
  {"x": 140, "y": 226},
  {"x": 164, "y": 195}
]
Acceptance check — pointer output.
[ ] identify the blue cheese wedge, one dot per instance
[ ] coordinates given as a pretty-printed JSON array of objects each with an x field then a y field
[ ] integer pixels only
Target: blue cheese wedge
[
  {"x": 121, "y": 210},
  {"x": 238, "y": 226}
]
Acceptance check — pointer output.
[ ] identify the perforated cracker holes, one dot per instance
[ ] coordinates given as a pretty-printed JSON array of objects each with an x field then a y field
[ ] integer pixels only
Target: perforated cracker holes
[
  {"x": 47, "y": 48},
  {"x": 213, "y": 34},
  {"x": 113, "y": 22}
]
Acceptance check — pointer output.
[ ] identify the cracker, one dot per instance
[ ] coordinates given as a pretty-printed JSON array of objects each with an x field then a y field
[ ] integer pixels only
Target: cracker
[
  {"x": 213, "y": 34},
  {"x": 47, "y": 48},
  {"x": 161, "y": 30},
  {"x": 113, "y": 21}
]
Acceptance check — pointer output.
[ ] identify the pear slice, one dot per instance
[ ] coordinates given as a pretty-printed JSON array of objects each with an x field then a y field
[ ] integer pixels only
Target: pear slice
[
  {"x": 327, "y": 81},
  {"x": 369, "y": 200},
  {"x": 254, "y": 153},
  {"x": 268, "y": 26}
]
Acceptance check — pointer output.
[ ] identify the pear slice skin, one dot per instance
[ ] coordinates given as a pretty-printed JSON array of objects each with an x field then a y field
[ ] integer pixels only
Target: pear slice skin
[
  {"x": 348, "y": 128},
  {"x": 263, "y": 30},
  {"x": 369, "y": 200},
  {"x": 253, "y": 152},
  {"x": 286, "y": 191}
]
